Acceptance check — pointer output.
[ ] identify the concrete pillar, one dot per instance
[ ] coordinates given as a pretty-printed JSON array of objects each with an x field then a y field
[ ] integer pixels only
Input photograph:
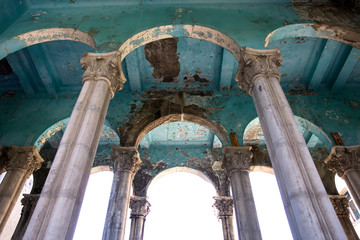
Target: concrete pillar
[
  {"x": 345, "y": 161},
  {"x": 236, "y": 163},
  {"x": 341, "y": 204},
  {"x": 140, "y": 208},
  {"x": 307, "y": 205},
  {"x": 58, "y": 207},
  {"x": 29, "y": 202},
  {"x": 224, "y": 206},
  {"x": 22, "y": 162},
  {"x": 126, "y": 163}
]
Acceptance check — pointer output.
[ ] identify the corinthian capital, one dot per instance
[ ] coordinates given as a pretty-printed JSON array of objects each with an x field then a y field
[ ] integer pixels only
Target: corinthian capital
[
  {"x": 4, "y": 160},
  {"x": 256, "y": 63},
  {"x": 237, "y": 158},
  {"x": 139, "y": 206},
  {"x": 105, "y": 67},
  {"x": 25, "y": 158},
  {"x": 343, "y": 159},
  {"x": 126, "y": 159},
  {"x": 340, "y": 204},
  {"x": 224, "y": 206}
]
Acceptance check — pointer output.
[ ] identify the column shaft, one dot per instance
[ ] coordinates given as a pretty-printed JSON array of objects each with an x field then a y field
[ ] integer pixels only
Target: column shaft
[
  {"x": 126, "y": 164},
  {"x": 308, "y": 208},
  {"x": 22, "y": 162},
  {"x": 58, "y": 207},
  {"x": 137, "y": 227},
  {"x": 140, "y": 208}
]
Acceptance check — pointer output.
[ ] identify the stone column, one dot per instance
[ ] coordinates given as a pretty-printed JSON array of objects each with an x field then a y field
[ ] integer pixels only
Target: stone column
[
  {"x": 341, "y": 204},
  {"x": 224, "y": 206},
  {"x": 58, "y": 207},
  {"x": 126, "y": 163},
  {"x": 140, "y": 207},
  {"x": 3, "y": 159},
  {"x": 307, "y": 205},
  {"x": 345, "y": 161},
  {"x": 29, "y": 202},
  {"x": 22, "y": 162},
  {"x": 236, "y": 163}
]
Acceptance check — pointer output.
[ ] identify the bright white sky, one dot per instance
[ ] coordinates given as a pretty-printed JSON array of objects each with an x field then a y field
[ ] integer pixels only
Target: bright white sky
[{"x": 181, "y": 208}]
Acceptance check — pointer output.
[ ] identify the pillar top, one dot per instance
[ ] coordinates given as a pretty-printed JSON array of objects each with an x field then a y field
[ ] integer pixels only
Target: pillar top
[
  {"x": 139, "y": 206},
  {"x": 340, "y": 204},
  {"x": 126, "y": 159},
  {"x": 256, "y": 63},
  {"x": 105, "y": 67},
  {"x": 25, "y": 158},
  {"x": 237, "y": 158},
  {"x": 224, "y": 206},
  {"x": 343, "y": 159}
]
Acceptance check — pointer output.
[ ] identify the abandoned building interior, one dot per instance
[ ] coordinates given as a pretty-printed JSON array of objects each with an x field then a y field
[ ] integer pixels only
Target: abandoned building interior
[{"x": 139, "y": 88}]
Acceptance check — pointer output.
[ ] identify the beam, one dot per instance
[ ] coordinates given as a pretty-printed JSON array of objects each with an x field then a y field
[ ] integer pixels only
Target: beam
[
  {"x": 346, "y": 70},
  {"x": 132, "y": 67},
  {"x": 227, "y": 70},
  {"x": 324, "y": 64}
]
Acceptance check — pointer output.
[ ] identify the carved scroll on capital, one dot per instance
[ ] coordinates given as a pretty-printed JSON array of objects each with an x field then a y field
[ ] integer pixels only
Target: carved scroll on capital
[
  {"x": 340, "y": 204},
  {"x": 224, "y": 206},
  {"x": 105, "y": 67},
  {"x": 139, "y": 206},
  {"x": 25, "y": 158},
  {"x": 237, "y": 158},
  {"x": 29, "y": 203},
  {"x": 126, "y": 159},
  {"x": 256, "y": 63},
  {"x": 343, "y": 159}
]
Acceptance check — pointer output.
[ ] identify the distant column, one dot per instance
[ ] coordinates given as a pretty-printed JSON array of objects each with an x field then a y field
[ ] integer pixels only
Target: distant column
[
  {"x": 140, "y": 207},
  {"x": 345, "y": 161},
  {"x": 23, "y": 161},
  {"x": 126, "y": 163},
  {"x": 29, "y": 202},
  {"x": 309, "y": 217},
  {"x": 341, "y": 204},
  {"x": 236, "y": 163},
  {"x": 56, "y": 213},
  {"x": 3, "y": 159},
  {"x": 224, "y": 206}
]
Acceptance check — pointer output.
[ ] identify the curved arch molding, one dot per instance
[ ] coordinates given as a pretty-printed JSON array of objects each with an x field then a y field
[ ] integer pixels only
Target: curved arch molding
[
  {"x": 44, "y": 35},
  {"x": 172, "y": 31},
  {"x": 316, "y": 31}
]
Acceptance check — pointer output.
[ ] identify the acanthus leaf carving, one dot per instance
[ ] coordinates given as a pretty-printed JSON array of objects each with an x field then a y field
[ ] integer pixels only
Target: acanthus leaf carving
[
  {"x": 139, "y": 206},
  {"x": 105, "y": 67},
  {"x": 343, "y": 159},
  {"x": 126, "y": 159},
  {"x": 224, "y": 206},
  {"x": 24, "y": 158},
  {"x": 340, "y": 204},
  {"x": 237, "y": 158},
  {"x": 256, "y": 63}
]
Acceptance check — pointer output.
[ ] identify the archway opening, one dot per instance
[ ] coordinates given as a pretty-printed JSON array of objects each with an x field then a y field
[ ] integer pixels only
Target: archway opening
[{"x": 181, "y": 207}]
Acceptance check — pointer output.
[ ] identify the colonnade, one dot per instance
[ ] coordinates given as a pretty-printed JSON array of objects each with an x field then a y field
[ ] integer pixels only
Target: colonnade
[{"x": 309, "y": 210}]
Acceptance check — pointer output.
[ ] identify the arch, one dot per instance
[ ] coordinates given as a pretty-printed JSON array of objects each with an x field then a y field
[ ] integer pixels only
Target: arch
[
  {"x": 183, "y": 30},
  {"x": 263, "y": 169},
  {"x": 217, "y": 129},
  {"x": 101, "y": 168},
  {"x": 253, "y": 133},
  {"x": 181, "y": 169},
  {"x": 44, "y": 35},
  {"x": 110, "y": 133},
  {"x": 314, "y": 31}
]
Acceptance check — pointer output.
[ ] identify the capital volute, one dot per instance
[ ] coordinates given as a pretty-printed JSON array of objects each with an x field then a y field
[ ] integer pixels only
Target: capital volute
[
  {"x": 126, "y": 159},
  {"x": 24, "y": 158},
  {"x": 139, "y": 206},
  {"x": 224, "y": 206},
  {"x": 255, "y": 63},
  {"x": 104, "y": 67},
  {"x": 340, "y": 204},
  {"x": 343, "y": 159},
  {"x": 237, "y": 158}
]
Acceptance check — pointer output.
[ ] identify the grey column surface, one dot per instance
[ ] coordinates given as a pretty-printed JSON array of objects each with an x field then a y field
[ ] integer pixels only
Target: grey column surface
[
  {"x": 22, "y": 162},
  {"x": 236, "y": 162},
  {"x": 29, "y": 202},
  {"x": 58, "y": 207},
  {"x": 126, "y": 163},
  {"x": 345, "y": 161},
  {"x": 307, "y": 205},
  {"x": 140, "y": 208},
  {"x": 224, "y": 206},
  {"x": 341, "y": 204}
]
